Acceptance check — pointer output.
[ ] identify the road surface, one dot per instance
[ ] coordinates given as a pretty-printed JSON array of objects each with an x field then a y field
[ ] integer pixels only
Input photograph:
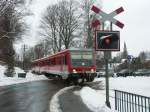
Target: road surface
[
  {"x": 36, "y": 96},
  {"x": 28, "y": 97}
]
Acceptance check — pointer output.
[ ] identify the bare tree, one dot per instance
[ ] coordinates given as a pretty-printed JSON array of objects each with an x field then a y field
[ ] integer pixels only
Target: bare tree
[
  {"x": 69, "y": 21},
  {"x": 11, "y": 29},
  {"x": 11, "y": 14},
  {"x": 60, "y": 24},
  {"x": 86, "y": 5},
  {"x": 88, "y": 16},
  {"x": 49, "y": 25}
]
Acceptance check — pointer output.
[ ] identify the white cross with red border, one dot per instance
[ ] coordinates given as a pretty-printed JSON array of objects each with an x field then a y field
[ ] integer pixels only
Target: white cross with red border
[{"x": 107, "y": 17}]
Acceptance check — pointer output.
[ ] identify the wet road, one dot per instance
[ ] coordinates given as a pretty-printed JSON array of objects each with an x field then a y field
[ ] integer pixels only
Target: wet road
[{"x": 28, "y": 97}]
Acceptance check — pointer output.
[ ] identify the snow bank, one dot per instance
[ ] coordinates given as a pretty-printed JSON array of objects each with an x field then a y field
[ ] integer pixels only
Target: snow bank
[
  {"x": 94, "y": 101},
  {"x": 2, "y": 70},
  {"x": 15, "y": 80},
  {"x": 31, "y": 77}
]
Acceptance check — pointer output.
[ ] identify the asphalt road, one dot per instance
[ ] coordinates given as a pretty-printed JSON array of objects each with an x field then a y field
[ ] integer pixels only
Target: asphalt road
[{"x": 28, "y": 97}]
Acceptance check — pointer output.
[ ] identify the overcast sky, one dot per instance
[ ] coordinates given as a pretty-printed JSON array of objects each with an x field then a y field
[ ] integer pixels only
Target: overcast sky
[{"x": 136, "y": 18}]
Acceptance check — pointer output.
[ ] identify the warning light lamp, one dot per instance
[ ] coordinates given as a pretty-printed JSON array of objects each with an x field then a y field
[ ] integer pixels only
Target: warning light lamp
[{"x": 107, "y": 41}]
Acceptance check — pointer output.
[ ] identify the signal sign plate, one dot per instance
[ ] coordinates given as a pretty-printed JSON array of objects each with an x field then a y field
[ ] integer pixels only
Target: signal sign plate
[
  {"x": 107, "y": 40},
  {"x": 107, "y": 17}
]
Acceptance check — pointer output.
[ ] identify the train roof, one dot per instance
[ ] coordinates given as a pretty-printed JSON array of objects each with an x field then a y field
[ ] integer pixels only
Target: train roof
[
  {"x": 79, "y": 49},
  {"x": 66, "y": 50}
]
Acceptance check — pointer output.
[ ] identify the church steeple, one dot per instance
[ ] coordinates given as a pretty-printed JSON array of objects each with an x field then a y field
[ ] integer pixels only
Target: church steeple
[{"x": 125, "y": 52}]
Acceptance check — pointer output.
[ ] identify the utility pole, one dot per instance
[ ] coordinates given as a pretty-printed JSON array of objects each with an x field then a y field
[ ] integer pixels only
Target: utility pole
[
  {"x": 24, "y": 54},
  {"x": 107, "y": 57}
]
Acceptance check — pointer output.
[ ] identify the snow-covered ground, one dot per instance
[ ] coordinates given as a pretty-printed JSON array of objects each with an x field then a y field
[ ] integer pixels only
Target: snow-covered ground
[
  {"x": 95, "y": 99},
  {"x": 137, "y": 85},
  {"x": 15, "y": 80}
]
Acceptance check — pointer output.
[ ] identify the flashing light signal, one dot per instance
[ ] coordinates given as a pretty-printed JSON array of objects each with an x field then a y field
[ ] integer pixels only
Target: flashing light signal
[{"x": 108, "y": 40}]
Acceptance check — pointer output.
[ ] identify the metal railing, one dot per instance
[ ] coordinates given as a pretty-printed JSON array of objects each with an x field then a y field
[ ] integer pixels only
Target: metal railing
[{"x": 128, "y": 102}]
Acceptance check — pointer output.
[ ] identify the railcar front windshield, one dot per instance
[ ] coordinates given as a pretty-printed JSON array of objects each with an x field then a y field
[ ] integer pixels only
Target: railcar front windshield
[{"x": 82, "y": 58}]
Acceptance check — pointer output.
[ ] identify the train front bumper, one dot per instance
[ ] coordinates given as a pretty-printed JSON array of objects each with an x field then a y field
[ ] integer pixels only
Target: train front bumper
[{"x": 86, "y": 76}]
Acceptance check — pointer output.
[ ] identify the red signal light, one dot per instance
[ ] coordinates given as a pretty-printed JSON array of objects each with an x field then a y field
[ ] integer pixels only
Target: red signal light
[{"x": 107, "y": 41}]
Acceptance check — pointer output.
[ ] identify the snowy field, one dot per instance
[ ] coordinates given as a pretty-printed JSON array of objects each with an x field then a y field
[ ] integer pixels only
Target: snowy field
[
  {"x": 137, "y": 85},
  {"x": 15, "y": 80}
]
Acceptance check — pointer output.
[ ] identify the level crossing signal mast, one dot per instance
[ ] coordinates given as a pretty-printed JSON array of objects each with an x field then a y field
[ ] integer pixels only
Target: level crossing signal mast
[{"x": 107, "y": 40}]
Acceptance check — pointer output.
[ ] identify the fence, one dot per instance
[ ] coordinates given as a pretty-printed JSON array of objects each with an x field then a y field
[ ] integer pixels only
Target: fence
[{"x": 128, "y": 102}]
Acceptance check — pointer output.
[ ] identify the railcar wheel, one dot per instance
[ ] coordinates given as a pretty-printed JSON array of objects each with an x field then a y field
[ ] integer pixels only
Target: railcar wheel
[
  {"x": 90, "y": 79},
  {"x": 78, "y": 81},
  {"x": 48, "y": 76},
  {"x": 75, "y": 81},
  {"x": 60, "y": 77},
  {"x": 68, "y": 81}
]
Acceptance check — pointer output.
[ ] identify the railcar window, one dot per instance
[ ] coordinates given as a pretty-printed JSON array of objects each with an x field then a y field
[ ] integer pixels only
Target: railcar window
[
  {"x": 48, "y": 62},
  {"x": 44, "y": 63},
  {"x": 77, "y": 56},
  {"x": 53, "y": 62},
  {"x": 82, "y": 59},
  {"x": 59, "y": 60}
]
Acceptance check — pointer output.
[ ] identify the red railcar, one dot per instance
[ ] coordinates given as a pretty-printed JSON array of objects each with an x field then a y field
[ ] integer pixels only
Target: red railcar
[{"x": 77, "y": 65}]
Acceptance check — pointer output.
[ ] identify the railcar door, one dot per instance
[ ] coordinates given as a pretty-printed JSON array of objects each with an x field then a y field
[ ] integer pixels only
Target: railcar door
[
  {"x": 63, "y": 63},
  {"x": 64, "y": 69}
]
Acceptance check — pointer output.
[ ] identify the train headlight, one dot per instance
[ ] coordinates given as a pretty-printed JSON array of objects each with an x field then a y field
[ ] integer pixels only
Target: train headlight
[
  {"x": 92, "y": 70},
  {"x": 74, "y": 71}
]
